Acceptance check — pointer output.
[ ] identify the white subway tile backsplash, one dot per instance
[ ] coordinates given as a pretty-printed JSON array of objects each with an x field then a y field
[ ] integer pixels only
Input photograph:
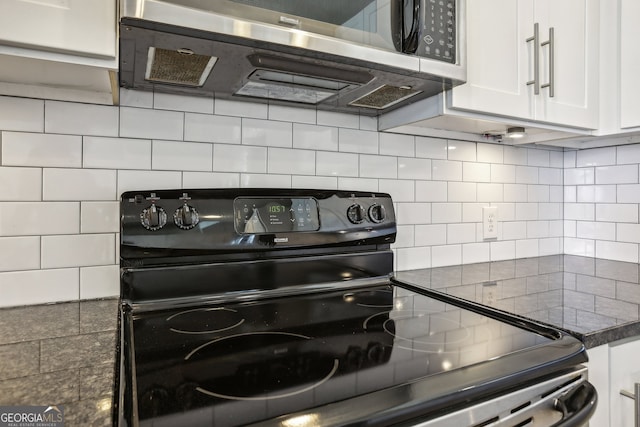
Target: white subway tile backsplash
[
  {"x": 616, "y": 212},
  {"x": 400, "y": 190},
  {"x": 472, "y": 212},
  {"x": 596, "y": 230},
  {"x": 341, "y": 120},
  {"x": 446, "y": 170},
  {"x": 228, "y": 107},
  {"x": 461, "y": 233},
  {"x": 337, "y": 164},
  {"x": 550, "y": 246},
  {"x": 526, "y": 175},
  {"x": 369, "y": 123},
  {"x": 536, "y": 157},
  {"x": 570, "y": 228},
  {"x": 446, "y": 255},
  {"x": 527, "y": 248},
  {"x": 555, "y": 194},
  {"x": 99, "y": 282},
  {"x": 412, "y": 258},
  {"x": 116, "y": 153},
  {"x": 209, "y": 128},
  {"x": 579, "y": 211},
  {"x": 627, "y": 174},
  {"x": 321, "y": 182},
  {"x": 627, "y": 252},
  {"x": 267, "y": 133},
  {"x": 358, "y": 141},
  {"x": 413, "y": 213},
  {"x": 431, "y": 191},
  {"x": 490, "y": 192},
  {"x": 556, "y": 159},
  {"x": 210, "y": 180},
  {"x": 550, "y": 176},
  {"x": 195, "y": 104},
  {"x": 476, "y": 172},
  {"x": 131, "y": 180},
  {"x": 404, "y": 237},
  {"x": 151, "y": 124},
  {"x": 99, "y": 217},
  {"x": 38, "y": 149},
  {"x": 569, "y": 160},
  {"x": 80, "y": 119},
  {"x": 476, "y": 252},
  {"x": 596, "y": 157},
  {"x": 461, "y": 150},
  {"x": 538, "y": 193},
  {"x": 296, "y": 162},
  {"x": 181, "y": 156},
  {"x": 431, "y": 148},
  {"x": 78, "y": 250},
  {"x": 526, "y": 211},
  {"x": 514, "y": 230},
  {"x": 627, "y": 233},
  {"x": 378, "y": 166},
  {"x": 501, "y": 251},
  {"x": 462, "y": 192},
  {"x": 360, "y": 184},
  {"x": 393, "y": 144},
  {"x": 571, "y": 194},
  {"x": 79, "y": 184},
  {"x": 515, "y": 155},
  {"x": 444, "y": 213},
  {"x": 628, "y": 154},
  {"x": 21, "y": 114},
  {"x": 506, "y": 211},
  {"x": 20, "y": 184},
  {"x": 537, "y": 229},
  {"x": 412, "y": 168},
  {"x": 579, "y": 176},
  {"x": 234, "y": 158},
  {"x": 135, "y": 98},
  {"x": 39, "y": 218},
  {"x": 605, "y": 193},
  {"x": 490, "y": 153},
  {"x": 19, "y": 253},
  {"x": 628, "y": 193},
  {"x": 312, "y": 137},
  {"x": 549, "y": 211},
  {"x": 253, "y": 180},
  {"x": 38, "y": 286},
  {"x": 515, "y": 193},
  {"x": 503, "y": 173}
]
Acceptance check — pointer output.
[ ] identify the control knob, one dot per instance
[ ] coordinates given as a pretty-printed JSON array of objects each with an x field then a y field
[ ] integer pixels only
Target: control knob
[
  {"x": 153, "y": 218},
  {"x": 355, "y": 213},
  {"x": 186, "y": 217},
  {"x": 377, "y": 213}
]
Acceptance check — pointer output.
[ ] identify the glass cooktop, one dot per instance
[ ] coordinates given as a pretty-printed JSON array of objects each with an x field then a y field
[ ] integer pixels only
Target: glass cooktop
[{"x": 249, "y": 361}]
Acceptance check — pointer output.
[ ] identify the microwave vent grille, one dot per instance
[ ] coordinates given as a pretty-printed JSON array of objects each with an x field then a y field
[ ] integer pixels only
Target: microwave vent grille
[
  {"x": 384, "y": 96},
  {"x": 179, "y": 67}
]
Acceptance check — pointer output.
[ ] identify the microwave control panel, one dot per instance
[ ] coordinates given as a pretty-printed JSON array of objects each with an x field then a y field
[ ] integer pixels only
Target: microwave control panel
[{"x": 438, "y": 35}]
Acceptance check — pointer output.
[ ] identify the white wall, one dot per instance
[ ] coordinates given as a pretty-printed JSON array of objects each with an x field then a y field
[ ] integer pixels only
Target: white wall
[
  {"x": 63, "y": 166},
  {"x": 602, "y": 195}
]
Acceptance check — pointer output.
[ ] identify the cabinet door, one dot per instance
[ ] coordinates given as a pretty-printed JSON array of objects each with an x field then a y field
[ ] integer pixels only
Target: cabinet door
[
  {"x": 86, "y": 27},
  {"x": 499, "y": 59},
  {"x": 575, "y": 25},
  {"x": 625, "y": 372},
  {"x": 629, "y": 64}
]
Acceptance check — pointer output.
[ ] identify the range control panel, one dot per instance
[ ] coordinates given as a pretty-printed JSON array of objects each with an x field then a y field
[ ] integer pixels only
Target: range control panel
[{"x": 241, "y": 219}]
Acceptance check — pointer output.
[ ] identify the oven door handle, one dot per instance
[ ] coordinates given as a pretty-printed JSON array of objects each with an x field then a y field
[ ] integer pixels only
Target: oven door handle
[{"x": 577, "y": 405}]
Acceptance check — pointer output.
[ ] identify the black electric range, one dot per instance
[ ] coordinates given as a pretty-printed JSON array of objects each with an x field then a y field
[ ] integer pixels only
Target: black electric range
[{"x": 277, "y": 307}]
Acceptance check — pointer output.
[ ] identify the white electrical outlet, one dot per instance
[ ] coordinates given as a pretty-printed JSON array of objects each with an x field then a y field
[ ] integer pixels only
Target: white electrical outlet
[{"x": 490, "y": 222}]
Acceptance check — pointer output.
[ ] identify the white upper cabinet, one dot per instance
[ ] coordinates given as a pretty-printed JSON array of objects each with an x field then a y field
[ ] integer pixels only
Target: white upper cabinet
[
  {"x": 59, "y": 49},
  {"x": 629, "y": 64},
  {"x": 83, "y": 27},
  {"x": 533, "y": 60}
]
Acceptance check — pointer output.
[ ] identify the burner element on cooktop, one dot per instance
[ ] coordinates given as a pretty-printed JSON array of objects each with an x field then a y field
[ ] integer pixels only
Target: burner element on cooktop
[
  {"x": 260, "y": 366},
  {"x": 377, "y": 298},
  {"x": 202, "y": 320}
]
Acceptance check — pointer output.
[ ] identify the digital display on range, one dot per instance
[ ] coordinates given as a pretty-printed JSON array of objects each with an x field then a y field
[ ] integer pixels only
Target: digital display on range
[{"x": 266, "y": 215}]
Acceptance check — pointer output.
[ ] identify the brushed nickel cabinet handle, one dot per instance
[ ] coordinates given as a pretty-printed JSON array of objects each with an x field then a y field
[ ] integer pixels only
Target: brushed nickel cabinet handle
[
  {"x": 552, "y": 64},
  {"x": 536, "y": 60},
  {"x": 636, "y": 398}
]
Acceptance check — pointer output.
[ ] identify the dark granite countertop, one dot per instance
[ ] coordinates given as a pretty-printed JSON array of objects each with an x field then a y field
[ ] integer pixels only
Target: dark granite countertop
[
  {"x": 596, "y": 300},
  {"x": 60, "y": 354}
]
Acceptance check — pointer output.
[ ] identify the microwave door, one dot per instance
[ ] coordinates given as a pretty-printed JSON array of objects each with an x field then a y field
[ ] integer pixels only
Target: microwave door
[{"x": 375, "y": 23}]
